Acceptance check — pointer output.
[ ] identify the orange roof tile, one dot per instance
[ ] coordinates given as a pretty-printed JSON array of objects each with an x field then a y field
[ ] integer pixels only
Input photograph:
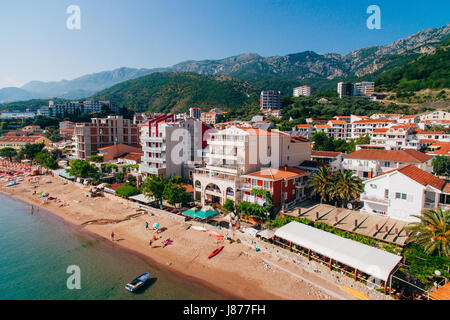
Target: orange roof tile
[
  {"x": 443, "y": 293},
  {"x": 323, "y": 126},
  {"x": 380, "y": 130},
  {"x": 277, "y": 174},
  {"x": 420, "y": 176},
  {"x": 30, "y": 139},
  {"x": 338, "y": 121},
  {"x": 407, "y": 155},
  {"x": 330, "y": 154}
]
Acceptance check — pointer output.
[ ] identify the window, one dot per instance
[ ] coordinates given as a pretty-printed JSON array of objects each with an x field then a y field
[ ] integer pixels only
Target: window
[
  {"x": 386, "y": 193},
  {"x": 254, "y": 182},
  {"x": 267, "y": 185},
  {"x": 387, "y": 164},
  {"x": 398, "y": 195}
]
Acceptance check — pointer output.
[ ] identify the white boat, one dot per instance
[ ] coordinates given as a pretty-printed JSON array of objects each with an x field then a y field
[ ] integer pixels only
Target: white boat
[
  {"x": 13, "y": 183},
  {"x": 198, "y": 228}
]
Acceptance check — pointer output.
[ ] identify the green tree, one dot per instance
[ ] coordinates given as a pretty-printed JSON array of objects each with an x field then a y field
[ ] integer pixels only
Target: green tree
[
  {"x": 363, "y": 140},
  {"x": 441, "y": 165},
  {"x": 127, "y": 191},
  {"x": 228, "y": 206},
  {"x": 29, "y": 151},
  {"x": 432, "y": 232},
  {"x": 321, "y": 183},
  {"x": 56, "y": 154},
  {"x": 153, "y": 186},
  {"x": 83, "y": 169},
  {"x": 174, "y": 192},
  {"x": 52, "y": 133},
  {"x": 9, "y": 153}
]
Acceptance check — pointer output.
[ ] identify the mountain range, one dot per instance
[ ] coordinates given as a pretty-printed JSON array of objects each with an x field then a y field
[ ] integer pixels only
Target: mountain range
[{"x": 318, "y": 70}]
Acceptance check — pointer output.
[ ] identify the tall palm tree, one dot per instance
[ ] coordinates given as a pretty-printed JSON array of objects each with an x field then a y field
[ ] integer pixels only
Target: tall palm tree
[
  {"x": 347, "y": 186},
  {"x": 432, "y": 232},
  {"x": 321, "y": 182}
]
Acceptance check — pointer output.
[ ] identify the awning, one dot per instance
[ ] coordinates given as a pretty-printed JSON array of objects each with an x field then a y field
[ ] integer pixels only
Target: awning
[
  {"x": 141, "y": 198},
  {"x": 63, "y": 173},
  {"x": 373, "y": 261},
  {"x": 266, "y": 234},
  {"x": 195, "y": 213},
  {"x": 251, "y": 231}
]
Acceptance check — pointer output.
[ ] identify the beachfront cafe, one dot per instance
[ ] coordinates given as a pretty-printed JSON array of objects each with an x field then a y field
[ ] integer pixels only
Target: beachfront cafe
[{"x": 361, "y": 262}]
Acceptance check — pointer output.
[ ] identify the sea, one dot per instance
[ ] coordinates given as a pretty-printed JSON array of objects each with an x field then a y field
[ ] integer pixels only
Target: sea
[{"x": 42, "y": 257}]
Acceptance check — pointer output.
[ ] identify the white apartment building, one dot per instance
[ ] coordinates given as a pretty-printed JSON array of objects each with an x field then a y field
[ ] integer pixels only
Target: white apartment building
[
  {"x": 367, "y": 126},
  {"x": 302, "y": 91},
  {"x": 404, "y": 192},
  {"x": 368, "y": 163},
  {"x": 235, "y": 151},
  {"x": 87, "y": 106},
  {"x": 169, "y": 146},
  {"x": 435, "y": 116}
]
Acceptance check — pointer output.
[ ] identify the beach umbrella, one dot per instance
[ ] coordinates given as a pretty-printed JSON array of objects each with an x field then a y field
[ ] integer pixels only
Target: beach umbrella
[{"x": 156, "y": 225}]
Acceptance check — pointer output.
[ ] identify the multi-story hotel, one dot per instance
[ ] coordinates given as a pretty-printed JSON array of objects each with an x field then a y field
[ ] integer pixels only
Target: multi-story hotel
[
  {"x": 195, "y": 113},
  {"x": 102, "y": 132},
  {"x": 87, "y": 106},
  {"x": 170, "y": 147},
  {"x": 302, "y": 91},
  {"x": 359, "y": 89},
  {"x": 270, "y": 100},
  {"x": 236, "y": 152},
  {"x": 345, "y": 89}
]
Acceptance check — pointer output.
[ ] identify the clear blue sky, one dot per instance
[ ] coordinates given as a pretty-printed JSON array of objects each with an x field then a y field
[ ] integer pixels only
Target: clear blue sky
[{"x": 36, "y": 45}]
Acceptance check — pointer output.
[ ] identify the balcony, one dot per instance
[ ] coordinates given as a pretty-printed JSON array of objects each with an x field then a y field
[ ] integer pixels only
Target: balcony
[
  {"x": 150, "y": 170},
  {"x": 153, "y": 160},
  {"x": 145, "y": 138},
  {"x": 226, "y": 143},
  {"x": 232, "y": 169},
  {"x": 222, "y": 156},
  {"x": 382, "y": 201},
  {"x": 154, "y": 150}
]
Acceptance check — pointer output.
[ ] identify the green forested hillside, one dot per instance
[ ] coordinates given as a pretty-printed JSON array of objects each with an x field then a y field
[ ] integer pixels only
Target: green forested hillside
[
  {"x": 177, "y": 91},
  {"x": 428, "y": 71}
]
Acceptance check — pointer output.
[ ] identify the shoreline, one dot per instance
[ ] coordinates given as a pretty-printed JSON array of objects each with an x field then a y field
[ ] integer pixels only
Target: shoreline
[
  {"x": 235, "y": 274},
  {"x": 49, "y": 214}
]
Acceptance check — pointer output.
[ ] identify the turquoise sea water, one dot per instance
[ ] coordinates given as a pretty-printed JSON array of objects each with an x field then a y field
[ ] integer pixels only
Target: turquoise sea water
[{"x": 36, "y": 250}]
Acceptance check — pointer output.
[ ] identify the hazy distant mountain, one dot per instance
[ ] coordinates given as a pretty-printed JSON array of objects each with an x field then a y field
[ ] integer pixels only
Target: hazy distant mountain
[
  {"x": 305, "y": 67},
  {"x": 15, "y": 94}
]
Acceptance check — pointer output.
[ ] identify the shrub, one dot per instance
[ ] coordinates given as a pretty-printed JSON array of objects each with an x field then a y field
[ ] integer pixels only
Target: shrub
[{"x": 126, "y": 191}]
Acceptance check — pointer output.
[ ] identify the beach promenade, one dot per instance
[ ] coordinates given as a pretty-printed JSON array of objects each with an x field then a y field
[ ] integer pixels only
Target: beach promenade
[{"x": 238, "y": 271}]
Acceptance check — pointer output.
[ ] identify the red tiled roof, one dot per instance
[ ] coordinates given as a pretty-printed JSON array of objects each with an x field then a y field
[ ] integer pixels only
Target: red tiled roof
[
  {"x": 303, "y": 126},
  {"x": 380, "y": 130},
  {"x": 322, "y": 126},
  {"x": 281, "y": 173},
  {"x": 329, "y": 154},
  {"x": 134, "y": 156},
  {"x": 407, "y": 155},
  {"x": 31, "y": 139},
  {"x": 420, "y": 176},
  {"x": 338, "y": 121},
  {"x": 189, "y": 188}
]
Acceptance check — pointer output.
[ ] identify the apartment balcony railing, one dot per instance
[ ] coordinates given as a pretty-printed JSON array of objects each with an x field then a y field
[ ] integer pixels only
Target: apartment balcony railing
[
  {"x": 216, "y": 142},
  {"x": 301, "y": 184},
  {"x": 154, "y": 150},
  {"x": 146, "y": 138},
  {"x": 213, "y": 175},
  {"x": 153, "y": 160},
  {"x": 151, "y": 170},
  {"x": 365, "y": 197}
]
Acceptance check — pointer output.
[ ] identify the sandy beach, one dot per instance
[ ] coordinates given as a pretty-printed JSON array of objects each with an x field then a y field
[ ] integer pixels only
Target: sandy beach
[{"x": 238, "y": 272}]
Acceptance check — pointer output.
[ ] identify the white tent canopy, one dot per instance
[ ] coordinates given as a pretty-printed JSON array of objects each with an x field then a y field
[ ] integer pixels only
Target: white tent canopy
[
  {"x": 266, "y": 234},
  {"x": 374, "y": 262},
  {"x": 251, "y": 231}
]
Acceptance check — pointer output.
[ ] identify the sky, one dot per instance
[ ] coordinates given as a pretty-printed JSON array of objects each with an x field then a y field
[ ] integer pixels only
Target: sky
[{"x": 35, "y": 43}]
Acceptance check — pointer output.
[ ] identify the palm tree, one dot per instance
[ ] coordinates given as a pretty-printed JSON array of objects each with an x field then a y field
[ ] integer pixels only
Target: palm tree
[
  {"x": 321, "y": 182},
  {"x": 432, "y": 232},
  {"x": 347, "y": 186}
]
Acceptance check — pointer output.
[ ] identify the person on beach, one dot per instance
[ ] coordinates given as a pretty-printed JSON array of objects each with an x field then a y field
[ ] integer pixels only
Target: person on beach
[
  {"x": 150, "y": 242},
  {"x": 112, "y": 236},
  {"x": 146, "y": 226}
]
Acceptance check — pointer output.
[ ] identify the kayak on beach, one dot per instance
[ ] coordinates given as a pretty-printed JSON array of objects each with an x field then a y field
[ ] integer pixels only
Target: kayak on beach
[
  {"x": 14, "y": 183},
  {"x": 215, "y": 252},
  {"x": 138, "y": 282}
]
